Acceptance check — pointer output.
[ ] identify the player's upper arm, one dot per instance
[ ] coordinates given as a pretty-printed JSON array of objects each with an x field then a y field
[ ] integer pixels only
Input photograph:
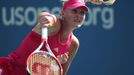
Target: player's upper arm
[
  {"x": 74, "y": 47},
  {"x": 72, "y": 52}
]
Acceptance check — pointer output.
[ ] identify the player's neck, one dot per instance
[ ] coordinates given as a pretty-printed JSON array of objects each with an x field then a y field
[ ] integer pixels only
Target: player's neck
[
  {"x": 64, "y": 33},
  {"x": 66, "y": 27}
]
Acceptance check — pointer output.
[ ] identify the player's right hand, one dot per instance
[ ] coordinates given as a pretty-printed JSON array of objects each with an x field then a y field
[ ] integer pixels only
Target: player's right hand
[{"x": 46, "y": 19}]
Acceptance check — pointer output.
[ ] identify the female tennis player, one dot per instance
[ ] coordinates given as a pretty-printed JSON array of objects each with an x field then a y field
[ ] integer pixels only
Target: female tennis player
[{"x": 63, "y": 43}]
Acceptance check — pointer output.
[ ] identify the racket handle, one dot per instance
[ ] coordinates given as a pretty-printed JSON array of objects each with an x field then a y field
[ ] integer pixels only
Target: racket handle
[{"x": 44, "y": 33}]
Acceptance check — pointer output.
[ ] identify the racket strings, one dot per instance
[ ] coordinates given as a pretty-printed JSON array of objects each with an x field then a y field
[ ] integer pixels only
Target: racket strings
[{"x": 40, "y": 65}]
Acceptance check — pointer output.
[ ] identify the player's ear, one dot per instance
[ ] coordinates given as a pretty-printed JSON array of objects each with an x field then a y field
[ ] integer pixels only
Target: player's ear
[{"x": 62, "y": 13}]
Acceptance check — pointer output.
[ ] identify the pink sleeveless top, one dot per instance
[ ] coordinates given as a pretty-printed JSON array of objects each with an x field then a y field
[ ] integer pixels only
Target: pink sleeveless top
[
  {"x": 33, "y": 40},
  {"x": 56, "y": 46}
]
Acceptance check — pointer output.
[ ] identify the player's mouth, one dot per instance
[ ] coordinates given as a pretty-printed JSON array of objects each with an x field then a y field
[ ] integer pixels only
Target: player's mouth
[{"x": 77, "y": 21}]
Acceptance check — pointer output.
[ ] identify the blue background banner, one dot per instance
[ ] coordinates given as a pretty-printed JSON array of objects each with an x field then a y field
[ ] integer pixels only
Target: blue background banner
[{"x": 106, "y": 38}]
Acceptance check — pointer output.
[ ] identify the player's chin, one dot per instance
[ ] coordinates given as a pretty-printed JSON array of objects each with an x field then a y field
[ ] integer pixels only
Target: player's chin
[{"x": 78, "y": 26}]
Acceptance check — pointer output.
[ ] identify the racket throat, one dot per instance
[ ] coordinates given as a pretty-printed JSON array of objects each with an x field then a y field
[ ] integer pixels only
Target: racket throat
[{"x": 49, "y": 50}]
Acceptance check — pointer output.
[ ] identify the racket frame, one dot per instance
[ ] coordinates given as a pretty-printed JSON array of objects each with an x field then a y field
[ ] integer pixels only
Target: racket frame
[{"x": 44, "y": 40}]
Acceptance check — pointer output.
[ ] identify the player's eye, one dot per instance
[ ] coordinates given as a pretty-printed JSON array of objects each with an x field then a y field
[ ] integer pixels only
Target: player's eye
[
  {"x": 81, "y": 12},
  {"x": 74, "y": 11}
]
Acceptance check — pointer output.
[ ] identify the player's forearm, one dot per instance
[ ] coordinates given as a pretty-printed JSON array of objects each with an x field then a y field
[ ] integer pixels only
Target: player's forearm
[
  {"x": 37, "y": 29},
  {"x": 65, "y": 68}
]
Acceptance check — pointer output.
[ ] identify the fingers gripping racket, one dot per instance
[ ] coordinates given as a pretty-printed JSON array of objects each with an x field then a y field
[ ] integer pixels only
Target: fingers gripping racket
[{"x": 42, "y": 62}]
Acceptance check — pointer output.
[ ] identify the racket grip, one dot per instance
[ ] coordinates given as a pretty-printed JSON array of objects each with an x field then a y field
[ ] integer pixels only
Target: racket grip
[{"x": 44, "y": 33}]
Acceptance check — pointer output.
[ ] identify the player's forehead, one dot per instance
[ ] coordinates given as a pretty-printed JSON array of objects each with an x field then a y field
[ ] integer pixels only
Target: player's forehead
[{"x": 79, "y": 9}]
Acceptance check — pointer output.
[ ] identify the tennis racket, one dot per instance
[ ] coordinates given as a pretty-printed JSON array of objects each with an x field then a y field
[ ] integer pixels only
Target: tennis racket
[
  {"x": 43, "y": 62},
  {"x": 106, "y": 2}
]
